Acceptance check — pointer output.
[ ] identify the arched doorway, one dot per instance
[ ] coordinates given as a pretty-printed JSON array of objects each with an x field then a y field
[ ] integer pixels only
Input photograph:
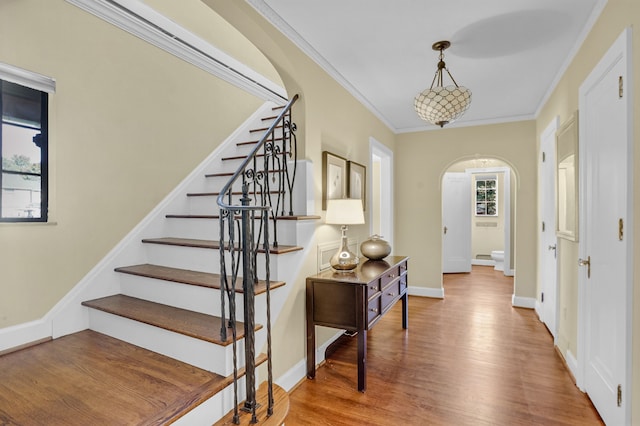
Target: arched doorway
[{"x": 489, "y": 218}]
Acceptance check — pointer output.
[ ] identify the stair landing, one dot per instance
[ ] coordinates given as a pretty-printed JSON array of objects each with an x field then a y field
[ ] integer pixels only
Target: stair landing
[{"x": 89, "y": 378}]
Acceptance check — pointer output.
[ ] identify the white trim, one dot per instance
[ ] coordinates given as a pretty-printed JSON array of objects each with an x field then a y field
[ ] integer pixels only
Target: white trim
[
  {"x": 506, "y": 204},
  {"x": 299, "y": 371},
  {"x": 270, "y": 15},
  {"x": 593, "y": 17},
  {"x": 538, "y": 309},
  {"x": 572, "y": 362},
  {"x": 483, "y": 262},
  {"x": 523, "y": 302},
  {"x": 436, "y": 293},
  {"x": 386, "y": 191},
  {"x": 469, "y": 123},
  {"x": 145, "y": 23},
  {"x": 27, "y": 78},
  {"x": 22, "y": 334}
]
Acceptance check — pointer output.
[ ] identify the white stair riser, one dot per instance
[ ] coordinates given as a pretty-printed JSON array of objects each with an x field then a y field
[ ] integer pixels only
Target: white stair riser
[
  {"x": 206, "y": 260},
  {"x": 209, "y": 229},
  {"x": 184, "y": 296},
  {"x": 202, "y": 354}
]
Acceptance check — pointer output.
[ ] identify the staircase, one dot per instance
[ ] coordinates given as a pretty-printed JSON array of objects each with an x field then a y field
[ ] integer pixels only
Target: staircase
[{"x": 166, "y": 293}]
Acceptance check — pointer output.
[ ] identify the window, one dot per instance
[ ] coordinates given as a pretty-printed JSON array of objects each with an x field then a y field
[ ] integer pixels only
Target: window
[
  {"x": 486, "y": 196},
  {"x": 24, "y": 148}
]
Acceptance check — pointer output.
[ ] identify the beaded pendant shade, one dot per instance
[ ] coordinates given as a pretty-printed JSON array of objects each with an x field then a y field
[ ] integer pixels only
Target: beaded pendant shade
[{"x": 441, "y": 104}]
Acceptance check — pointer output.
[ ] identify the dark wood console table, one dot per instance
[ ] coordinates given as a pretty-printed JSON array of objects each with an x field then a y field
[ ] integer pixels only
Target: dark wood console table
[{"x": 355, "y": 301}]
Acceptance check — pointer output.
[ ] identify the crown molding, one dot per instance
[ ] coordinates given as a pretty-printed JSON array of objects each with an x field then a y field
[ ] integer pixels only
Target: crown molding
[
  {"x": 471, "y": 123},
  {"x": 145, "y": 23},
  {"x": 276, "y": 20},
  {"x": 27, "y": 78},
  {"x": 593, "y": 17}
]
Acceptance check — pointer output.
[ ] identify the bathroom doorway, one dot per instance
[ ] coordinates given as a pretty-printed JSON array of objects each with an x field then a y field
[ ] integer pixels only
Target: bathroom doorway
[{"x": 491, "y": 211}]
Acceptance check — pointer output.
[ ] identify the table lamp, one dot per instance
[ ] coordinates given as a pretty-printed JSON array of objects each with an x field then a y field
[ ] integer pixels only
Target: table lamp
[{"x": 346, "y": 211}]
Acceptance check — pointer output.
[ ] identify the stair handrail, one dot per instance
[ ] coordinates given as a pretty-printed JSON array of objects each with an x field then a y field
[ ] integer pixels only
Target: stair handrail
[
  {"x": 240, "y": 218},
  {"x": 227, "y": 187}
]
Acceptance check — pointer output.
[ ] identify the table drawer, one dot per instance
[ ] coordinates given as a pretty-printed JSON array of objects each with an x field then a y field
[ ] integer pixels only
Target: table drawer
[
  {"x": 373, "y": 288},
  {"x": 403, "y": 283},
  {"x": 389, "y": 276},
  {"x": 390, "y": 294},
  {"x": 373, "y": 311}
]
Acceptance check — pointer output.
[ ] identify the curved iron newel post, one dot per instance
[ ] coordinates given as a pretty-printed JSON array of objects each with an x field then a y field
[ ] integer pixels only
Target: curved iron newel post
[{"x": 267, "y": 191}]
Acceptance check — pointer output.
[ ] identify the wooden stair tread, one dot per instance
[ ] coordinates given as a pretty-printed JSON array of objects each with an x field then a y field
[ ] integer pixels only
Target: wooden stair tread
[
  {"x": 256, "y": 141},
  {"x": 215, "y": 194},
  {"x": 211, "y": 244},
  {"x": 280, "y": 409},
  {"x": 229, "y": 174},
  {"x": 264, "y": 129},
  {"x": 242, "y": 157},
  {"x": 185, "y": 276},
  {"x": 189, "y": 323},
  {"x": 90, "y": 378},
  {"x": 215, "y": 216}
]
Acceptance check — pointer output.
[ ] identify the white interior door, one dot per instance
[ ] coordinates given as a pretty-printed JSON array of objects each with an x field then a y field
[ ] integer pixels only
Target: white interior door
[
  {"x": 604, "y": 242},
  {"x": 547, "y": 239},
  {"x": 456, "y": 222}
]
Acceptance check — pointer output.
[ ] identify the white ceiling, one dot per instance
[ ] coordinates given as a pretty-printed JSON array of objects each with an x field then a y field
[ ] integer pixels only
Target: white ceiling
[{"x": 509, "y": 53}]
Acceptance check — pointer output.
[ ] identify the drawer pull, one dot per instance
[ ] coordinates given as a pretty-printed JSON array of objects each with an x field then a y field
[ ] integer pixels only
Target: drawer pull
[
  {"x": 403, "y": 267},
  {"x": 392, "y": 275},
  {"x": 391, "y": 294},
  {"x": 375, "y": 310},
  {"x": 373, "y": 287}
]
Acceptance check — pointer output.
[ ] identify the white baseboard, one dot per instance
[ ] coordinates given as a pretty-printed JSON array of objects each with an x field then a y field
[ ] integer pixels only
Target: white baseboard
[
  {"x": 483, "y": 262},
  {"x": 23, "y": 334},
  {"x": 436, "y": 293},
  {"x": 299, "y": 371},
  {"x": 538, "y": 309},
  {"x": 572, "y": 363},
  {"x": 523, "y": 302}
]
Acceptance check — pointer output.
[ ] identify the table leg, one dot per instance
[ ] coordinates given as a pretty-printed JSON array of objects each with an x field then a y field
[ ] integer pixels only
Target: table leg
[
  {"x": 405, "y": 311},
  {"x": 362, "y": 360},
  {"x": 311, "y": 336}
]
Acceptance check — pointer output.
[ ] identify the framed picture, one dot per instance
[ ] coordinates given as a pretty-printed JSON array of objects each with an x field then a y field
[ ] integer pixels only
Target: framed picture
[
  {"x": 334, "y": 177},
  {"x": 567, "y": 179},
  {"x": 357, "y": 182}
]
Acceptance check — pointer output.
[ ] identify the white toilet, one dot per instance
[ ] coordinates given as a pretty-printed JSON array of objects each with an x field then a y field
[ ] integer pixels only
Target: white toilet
[{"x": 498, "y": 259}]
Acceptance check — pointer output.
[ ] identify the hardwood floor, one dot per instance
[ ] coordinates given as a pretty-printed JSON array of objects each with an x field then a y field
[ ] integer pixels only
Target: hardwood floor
[{"x": 470, "y": 359}]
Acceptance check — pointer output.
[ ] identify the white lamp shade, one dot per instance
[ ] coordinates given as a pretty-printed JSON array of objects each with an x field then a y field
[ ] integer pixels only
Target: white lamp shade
[{"x": 345, "y": 211}]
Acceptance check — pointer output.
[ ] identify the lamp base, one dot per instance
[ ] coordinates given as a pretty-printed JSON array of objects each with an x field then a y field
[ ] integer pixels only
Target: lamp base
[{"x": 344, "y": 260}]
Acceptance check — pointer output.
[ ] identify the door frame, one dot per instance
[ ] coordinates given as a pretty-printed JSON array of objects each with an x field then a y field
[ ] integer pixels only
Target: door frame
[
  {"x": 620, "y": 48},
  {"x": 508, "y": 271},
  {"x": 381, "y": 151},
  {"x": 548, "y": 133}
]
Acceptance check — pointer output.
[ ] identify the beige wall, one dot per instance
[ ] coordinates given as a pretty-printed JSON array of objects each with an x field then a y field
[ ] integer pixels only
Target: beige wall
[
  {"x": 419, "y": 203},
  {"x": 122, "y": 112},
  {"x": 617, "y": 15}
]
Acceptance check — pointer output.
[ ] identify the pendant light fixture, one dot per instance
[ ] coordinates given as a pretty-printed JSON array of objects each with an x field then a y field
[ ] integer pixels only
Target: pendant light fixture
[{"x": 441, "y": 104}]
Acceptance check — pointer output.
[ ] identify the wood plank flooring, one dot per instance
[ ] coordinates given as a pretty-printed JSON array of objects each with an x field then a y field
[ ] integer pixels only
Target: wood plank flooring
[
  {"x": 91, "y": 379},
  {"x": 470, "y": 359}
]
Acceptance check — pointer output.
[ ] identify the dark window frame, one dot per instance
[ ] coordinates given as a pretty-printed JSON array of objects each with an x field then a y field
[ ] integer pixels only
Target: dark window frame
[{"x": 44, "y": 159}]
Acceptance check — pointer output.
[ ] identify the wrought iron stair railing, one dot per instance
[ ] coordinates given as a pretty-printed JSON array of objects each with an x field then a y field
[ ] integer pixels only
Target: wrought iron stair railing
[{"x": 266, "y": 178}]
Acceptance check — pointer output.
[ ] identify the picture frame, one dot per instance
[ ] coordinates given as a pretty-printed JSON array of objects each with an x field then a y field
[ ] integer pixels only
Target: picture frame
[
  {"x": 567, "y": 179},
  {"x": 357, "y": 182},
  {"x": 334, "y": 177}
]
